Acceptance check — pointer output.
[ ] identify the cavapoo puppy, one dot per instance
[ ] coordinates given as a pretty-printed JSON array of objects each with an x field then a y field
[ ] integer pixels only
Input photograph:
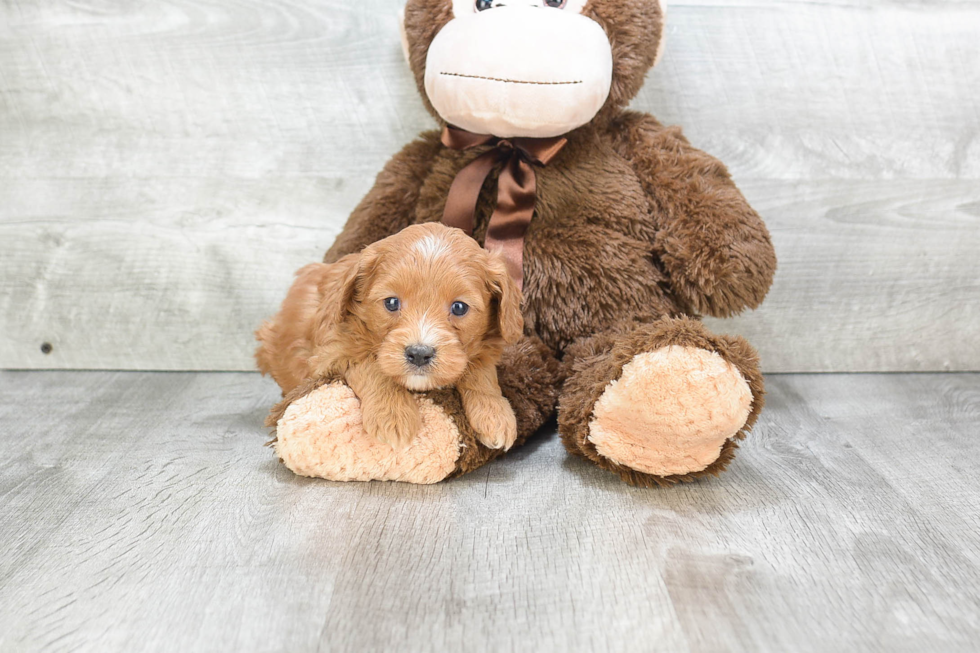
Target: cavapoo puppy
[{"x": 423, "y": 309}]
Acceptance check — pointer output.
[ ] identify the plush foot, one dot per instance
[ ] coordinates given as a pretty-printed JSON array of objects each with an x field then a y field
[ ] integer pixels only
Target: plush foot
[
  {"x": 322, "y": 434},
  {"x": 661, "y": 403},
  {"x": 671, "y": 411}
]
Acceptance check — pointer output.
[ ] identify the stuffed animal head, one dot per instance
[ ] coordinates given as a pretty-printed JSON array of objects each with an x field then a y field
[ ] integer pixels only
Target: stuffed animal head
[{"x": 531, "y": 68}]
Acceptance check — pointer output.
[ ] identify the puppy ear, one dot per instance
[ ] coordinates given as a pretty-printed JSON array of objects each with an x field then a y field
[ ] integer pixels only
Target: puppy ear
[
  {"x": 337, "y": 285},
  {"x": 509, "y": 298}
]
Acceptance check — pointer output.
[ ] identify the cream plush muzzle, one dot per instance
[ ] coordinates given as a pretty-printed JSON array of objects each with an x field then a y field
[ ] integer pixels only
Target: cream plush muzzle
[{"x": 519, "y": 71}]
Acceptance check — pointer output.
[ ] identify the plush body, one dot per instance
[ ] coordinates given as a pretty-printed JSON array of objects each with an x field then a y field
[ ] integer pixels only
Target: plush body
[{"x": 635, "y": 234}]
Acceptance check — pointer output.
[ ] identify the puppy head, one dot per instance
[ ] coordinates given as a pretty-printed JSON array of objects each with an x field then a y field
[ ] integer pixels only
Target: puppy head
[{"x": 427, "y": 302}]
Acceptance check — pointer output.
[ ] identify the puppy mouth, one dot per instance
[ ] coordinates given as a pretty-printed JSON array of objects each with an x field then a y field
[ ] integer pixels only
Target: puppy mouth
[
  {"x": 427, "y": 377},
  {"x": 419, "y": 381}
]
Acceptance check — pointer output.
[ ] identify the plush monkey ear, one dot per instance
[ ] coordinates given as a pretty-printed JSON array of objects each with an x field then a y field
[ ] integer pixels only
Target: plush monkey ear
[
  {"x": 509, "y": 298},
  {"x": 337, "y": 285},
  {"x": 663, "y": 32},
  {"x": 404, "y": 35}
]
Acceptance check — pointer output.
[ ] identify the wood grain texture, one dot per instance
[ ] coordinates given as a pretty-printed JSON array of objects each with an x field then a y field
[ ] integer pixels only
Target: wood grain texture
[
  {"x": 139, "y": 511},
  {"x": 164, "y": 168}
]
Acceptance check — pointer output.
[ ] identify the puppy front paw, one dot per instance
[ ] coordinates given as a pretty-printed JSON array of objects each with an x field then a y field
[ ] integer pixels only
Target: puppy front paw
[
  {"x": 396, "y": 428},
  {"x": 493, "y": 420},
  {"x": 397, "y": 436}
]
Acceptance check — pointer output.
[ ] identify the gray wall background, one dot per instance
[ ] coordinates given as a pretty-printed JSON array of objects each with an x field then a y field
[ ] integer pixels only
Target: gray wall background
[{"x": 165, "y": 166}]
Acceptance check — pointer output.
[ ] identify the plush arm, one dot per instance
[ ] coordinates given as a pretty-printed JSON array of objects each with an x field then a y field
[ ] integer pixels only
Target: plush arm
[
  {"x": 713, "y": 245},
  {"x": 389, "y": 206}
]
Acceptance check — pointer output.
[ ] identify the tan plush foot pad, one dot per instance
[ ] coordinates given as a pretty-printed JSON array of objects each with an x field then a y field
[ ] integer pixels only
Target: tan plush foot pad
[
  {"x": 321, "y": 435},
  {"x": 670, "y": 411}
]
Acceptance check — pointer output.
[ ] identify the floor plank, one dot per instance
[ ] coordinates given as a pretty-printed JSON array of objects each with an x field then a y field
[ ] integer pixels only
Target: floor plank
[{"x": 140, "y": 511}]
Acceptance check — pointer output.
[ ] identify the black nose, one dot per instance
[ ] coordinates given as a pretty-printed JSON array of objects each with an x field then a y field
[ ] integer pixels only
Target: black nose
[{"x": 419, "y": 355}]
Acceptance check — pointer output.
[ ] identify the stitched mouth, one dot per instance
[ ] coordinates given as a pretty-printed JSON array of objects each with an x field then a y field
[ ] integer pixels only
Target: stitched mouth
[{"x": 509, "y": 81}]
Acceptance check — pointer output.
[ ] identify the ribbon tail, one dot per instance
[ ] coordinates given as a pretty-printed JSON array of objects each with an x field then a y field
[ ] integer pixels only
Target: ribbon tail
[
  {"x": 464, "y": 193},
  {"x": 516, "y": 193}
]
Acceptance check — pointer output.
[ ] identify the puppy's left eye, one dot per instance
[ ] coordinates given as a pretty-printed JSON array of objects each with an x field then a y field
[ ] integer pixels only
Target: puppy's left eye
[
  {"x": 557, "y": 4},
  {"x": 458, "y": 309},
  {"x": 392, "y": 304}
]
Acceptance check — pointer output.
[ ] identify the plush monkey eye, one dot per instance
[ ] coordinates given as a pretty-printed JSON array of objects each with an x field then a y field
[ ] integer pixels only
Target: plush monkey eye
[
  {"x": 459, "y": 309},
  {"x": 557, "y": 4},
  {"x": 392, "y": 304},
  {"x": 483, "y": 5}
]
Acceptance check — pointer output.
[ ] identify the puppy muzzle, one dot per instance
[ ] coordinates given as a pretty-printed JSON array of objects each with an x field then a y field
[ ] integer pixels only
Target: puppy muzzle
[{"x": 422, "y": 355}]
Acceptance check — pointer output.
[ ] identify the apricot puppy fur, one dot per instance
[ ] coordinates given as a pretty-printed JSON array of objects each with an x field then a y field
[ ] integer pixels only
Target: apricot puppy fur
[{"x": 422, "y": 309}]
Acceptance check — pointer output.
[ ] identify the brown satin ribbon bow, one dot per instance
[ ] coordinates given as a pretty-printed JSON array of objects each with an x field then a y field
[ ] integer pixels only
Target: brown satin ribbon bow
[{"x": 516, "y": 189}]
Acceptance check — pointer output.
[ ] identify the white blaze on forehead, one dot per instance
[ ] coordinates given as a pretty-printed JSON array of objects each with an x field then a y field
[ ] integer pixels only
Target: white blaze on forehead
[{"x": 431, "y": 246}]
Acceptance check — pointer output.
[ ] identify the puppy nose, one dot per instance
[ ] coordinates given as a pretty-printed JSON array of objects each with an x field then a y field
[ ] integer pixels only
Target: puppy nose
[{"x": 419, "y": 355}]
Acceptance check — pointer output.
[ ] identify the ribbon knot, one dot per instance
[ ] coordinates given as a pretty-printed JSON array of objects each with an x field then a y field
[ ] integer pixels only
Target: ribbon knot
[{"x": 516, "y": 189}]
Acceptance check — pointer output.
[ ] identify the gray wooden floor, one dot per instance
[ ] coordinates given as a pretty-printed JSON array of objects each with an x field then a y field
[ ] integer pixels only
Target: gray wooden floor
[{"x": 139, "y": 511}]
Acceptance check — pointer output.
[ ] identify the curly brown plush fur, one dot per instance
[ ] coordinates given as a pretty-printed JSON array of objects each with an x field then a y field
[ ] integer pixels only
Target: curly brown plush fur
[{"x": 635, "y": 233}]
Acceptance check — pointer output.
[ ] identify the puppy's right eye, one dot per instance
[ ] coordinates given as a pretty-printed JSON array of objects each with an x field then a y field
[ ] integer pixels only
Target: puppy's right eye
[{"x": 392, "y": 304}]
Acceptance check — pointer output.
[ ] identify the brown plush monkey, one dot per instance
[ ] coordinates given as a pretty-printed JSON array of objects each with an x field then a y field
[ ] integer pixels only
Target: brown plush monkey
[{"x": 621, "y": 233}]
